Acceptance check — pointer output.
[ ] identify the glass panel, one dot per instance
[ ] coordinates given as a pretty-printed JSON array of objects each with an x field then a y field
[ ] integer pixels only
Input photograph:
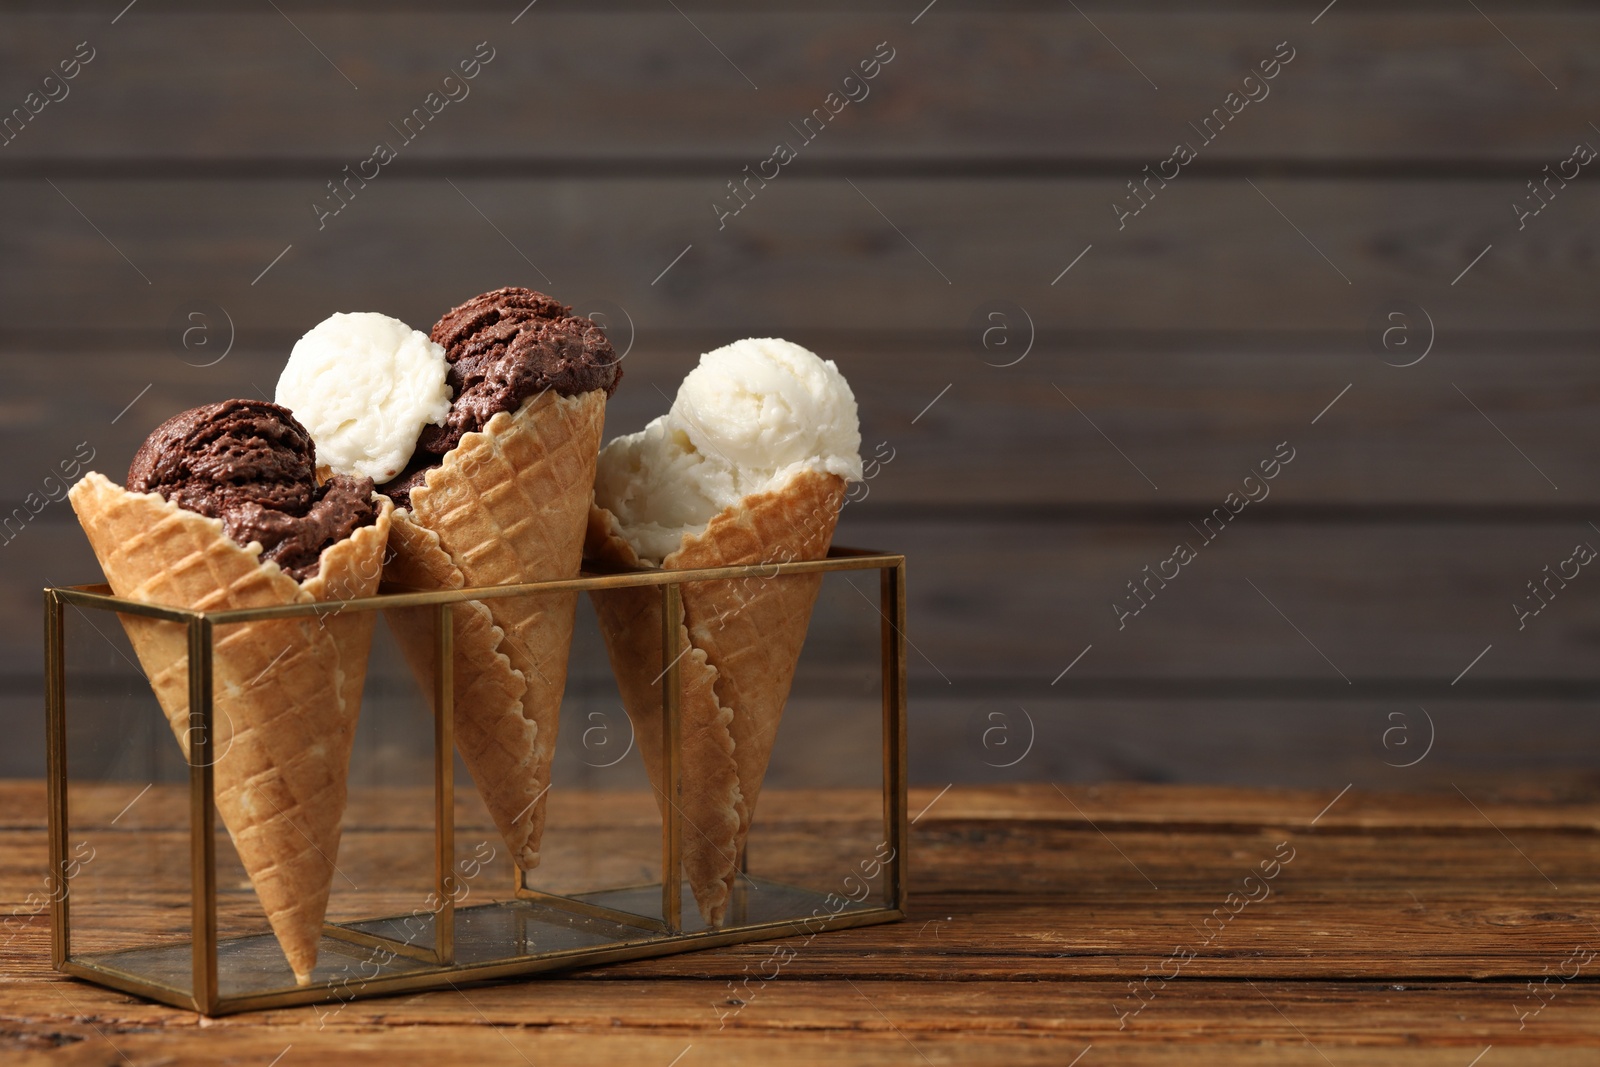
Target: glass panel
[
  {"x": 598, "y": 877},
  {"x": 355, "y": 728},
  {"x": 807, "y": 705},
  {"x": 126, "y": 872},
  {"x": 819, "y": 823}
]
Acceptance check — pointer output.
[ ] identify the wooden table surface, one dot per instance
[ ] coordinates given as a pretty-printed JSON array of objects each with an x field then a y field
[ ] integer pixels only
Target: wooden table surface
[{"x": 1082, "y": 925}]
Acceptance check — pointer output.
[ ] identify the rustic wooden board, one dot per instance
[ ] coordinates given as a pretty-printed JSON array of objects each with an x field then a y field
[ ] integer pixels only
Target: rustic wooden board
[
  {"x": 1219, "y": 733},
  {"x": 960, "y": 430},
  {"x": 1207, "y": 253},
  {"x": 1371, "y": 1027},
  {"x": 1157, "y": 858},
  {"x": 1383, "y": 601},
  {"x": 1258, "y": 742},
  {"x": 1226, "y": 695},
  {"x": 1026, "y": 84},
  {"x": 1423, "y": 602},
  {"x": 1342, "y": 895},
  {"x": 1030, "y": 919},
  {"x": 1138, "y": 806}
]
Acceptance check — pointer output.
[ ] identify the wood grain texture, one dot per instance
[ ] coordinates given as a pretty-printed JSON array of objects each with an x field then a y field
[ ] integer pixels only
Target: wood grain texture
[
  {"x": 1206, "y": 253},
  {"x": 1227, "y": 732},
  {"x": 1402, "y": 600},
  {"x": 1031, "y": 915},
  {"x": 1409, "y": 601},
  {"x": 1194, "y": 414},
  {"x": 638, "y": 84},
  {"x": 1423, "y": 601}
]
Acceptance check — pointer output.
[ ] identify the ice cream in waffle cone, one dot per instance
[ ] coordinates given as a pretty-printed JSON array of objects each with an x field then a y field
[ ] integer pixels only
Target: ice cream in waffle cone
[
  {"x": 749, "y": 467},
  {"x": 237, "y": 520},
  {"x": 496, "y": 491}
]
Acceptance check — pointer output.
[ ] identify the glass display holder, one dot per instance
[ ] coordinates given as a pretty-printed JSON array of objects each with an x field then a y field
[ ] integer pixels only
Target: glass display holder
[{"x": 531, "y": 931}]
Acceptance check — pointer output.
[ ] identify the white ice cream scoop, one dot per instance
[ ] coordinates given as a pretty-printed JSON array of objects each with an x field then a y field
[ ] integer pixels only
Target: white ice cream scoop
[
  {"x": 365, "y": 385},
  {"x": 746, "y": 420}
]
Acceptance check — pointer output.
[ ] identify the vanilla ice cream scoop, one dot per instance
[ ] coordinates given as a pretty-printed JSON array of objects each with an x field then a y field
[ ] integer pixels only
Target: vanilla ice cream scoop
[
  {"x": 746, "y": 420},
  {"x": 365, "y": 385}
]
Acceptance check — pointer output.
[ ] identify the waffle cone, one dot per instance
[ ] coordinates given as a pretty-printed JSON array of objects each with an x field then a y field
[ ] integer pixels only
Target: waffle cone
[
  {"x": 710, "y": 804},
  {"x": 497, "y": 743},
  {"x": 743, "y": 637},
  {"x": 287, "y": 691},
  {"x": 508, "y": 505}
]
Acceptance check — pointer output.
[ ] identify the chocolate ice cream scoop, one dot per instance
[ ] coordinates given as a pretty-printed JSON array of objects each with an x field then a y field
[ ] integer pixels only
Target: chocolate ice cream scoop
[
  {"x": 251, "y": 465},
  {"x": 504, "y": 347}
]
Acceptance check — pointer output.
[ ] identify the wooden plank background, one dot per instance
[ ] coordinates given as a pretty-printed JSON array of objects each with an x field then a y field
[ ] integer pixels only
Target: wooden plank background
[{"x": 1036, "y": 468}]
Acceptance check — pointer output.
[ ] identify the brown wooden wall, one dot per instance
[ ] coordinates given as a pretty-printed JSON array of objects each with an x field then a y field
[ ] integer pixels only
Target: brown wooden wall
[{"x": 1040, "y": 459}]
